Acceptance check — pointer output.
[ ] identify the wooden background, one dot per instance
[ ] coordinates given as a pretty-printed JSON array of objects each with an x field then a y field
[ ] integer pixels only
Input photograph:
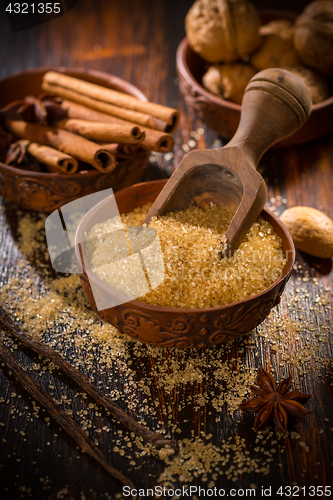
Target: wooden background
[{"x": 138, "y": 41}]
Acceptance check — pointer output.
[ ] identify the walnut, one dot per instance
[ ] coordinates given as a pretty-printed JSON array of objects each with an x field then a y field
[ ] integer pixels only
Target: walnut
[
  {"x": 228, "y": 80},
  {"x": 313, "y": 38},
  {"x": 277, "y": 47},
  {"x": 222, "y": 30},
  {"x": 316, "y": 83}
]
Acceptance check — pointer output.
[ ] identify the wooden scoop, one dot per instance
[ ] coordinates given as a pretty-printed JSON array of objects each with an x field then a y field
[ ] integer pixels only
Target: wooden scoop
[{"x": 276, "y": 103}]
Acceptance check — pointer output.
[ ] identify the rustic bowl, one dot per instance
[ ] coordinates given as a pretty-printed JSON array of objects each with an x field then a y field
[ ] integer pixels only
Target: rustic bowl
[
  {"x": 173, "y": 327},
  {"x": 223, "y": 116},
  {"x": 44, "y": 191}
]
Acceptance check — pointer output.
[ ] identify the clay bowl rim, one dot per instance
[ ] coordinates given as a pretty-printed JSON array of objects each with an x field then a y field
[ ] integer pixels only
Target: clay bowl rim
[
  {"x": 186, "y": 73},
  {"x": 161, "y": 182},
  {"x": 71, "y": 70}
]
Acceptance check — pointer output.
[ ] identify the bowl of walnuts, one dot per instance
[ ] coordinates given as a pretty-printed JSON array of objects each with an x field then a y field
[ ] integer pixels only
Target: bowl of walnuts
[
  {"x": 229, "y": 41},
  {"x": 177, "y": 317}
]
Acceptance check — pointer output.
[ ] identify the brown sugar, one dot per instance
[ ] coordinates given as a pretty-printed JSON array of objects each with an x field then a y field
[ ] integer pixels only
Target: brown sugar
[
  {"x": 195, "y": 275},
  {"x": 210, "y": 383}
]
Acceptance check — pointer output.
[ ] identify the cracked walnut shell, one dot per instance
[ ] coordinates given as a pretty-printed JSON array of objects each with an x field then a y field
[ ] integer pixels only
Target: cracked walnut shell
[
  {"x": 222, "y": 30},
  {"x": 277, "y": 47},
  {"x": 313, "y": 38},
  {"x": 228, "y": 80},
  {"x": 316, "y": 83}
]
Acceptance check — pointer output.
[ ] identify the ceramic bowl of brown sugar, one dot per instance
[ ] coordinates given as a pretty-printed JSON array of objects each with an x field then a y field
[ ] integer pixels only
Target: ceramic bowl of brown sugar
[
  {"x": 173, "y": 326},
  {"x": 46, "y": 191}
]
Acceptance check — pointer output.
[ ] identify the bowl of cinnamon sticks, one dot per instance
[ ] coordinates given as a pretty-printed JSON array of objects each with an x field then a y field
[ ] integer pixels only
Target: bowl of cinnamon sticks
[{"x": 66, "y": 133}]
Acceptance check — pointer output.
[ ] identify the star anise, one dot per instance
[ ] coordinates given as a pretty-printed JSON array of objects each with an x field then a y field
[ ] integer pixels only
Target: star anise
[
  {"x": 5, "y": 141},
  {"x": 276, "y": 403},
  {"x": 18, "y": 155},
  {"x": 17, "y": 152},
  {"x": 43, "y": 109}
]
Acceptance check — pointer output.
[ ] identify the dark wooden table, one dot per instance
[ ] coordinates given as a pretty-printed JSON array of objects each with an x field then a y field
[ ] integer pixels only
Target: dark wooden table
[{"x": 138, "y": 41}]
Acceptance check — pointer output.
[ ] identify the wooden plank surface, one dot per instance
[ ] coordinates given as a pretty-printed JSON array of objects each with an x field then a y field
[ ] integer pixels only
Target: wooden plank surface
[{"x": 137, "y": 41}]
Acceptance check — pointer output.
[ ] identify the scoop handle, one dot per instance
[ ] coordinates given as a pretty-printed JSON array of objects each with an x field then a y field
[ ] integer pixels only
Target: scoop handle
[{"x": 276, "y": 103}]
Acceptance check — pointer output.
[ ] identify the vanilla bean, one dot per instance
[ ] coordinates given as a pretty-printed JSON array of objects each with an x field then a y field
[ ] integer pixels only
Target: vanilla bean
[
  {"x": 38, "y": 393},
  {"x": 154, "y": 438}
]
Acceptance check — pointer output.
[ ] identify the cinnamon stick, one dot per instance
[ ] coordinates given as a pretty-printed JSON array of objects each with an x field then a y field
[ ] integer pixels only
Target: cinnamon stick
[
  {"x": 157, "y": 141},
  {"x": 126, "y": 133},
  {"x": 154, "y": 140},
  {"x": 40, "y": 395},
  {"x": 54, "y": 160},
  {"x": 118, "y": 104},
  {"x": 64, "y": 141},
  {"x": 129, "y": 115},
  {"x": 122, "y": 151},
  {"x": 76, "y": 110}
]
